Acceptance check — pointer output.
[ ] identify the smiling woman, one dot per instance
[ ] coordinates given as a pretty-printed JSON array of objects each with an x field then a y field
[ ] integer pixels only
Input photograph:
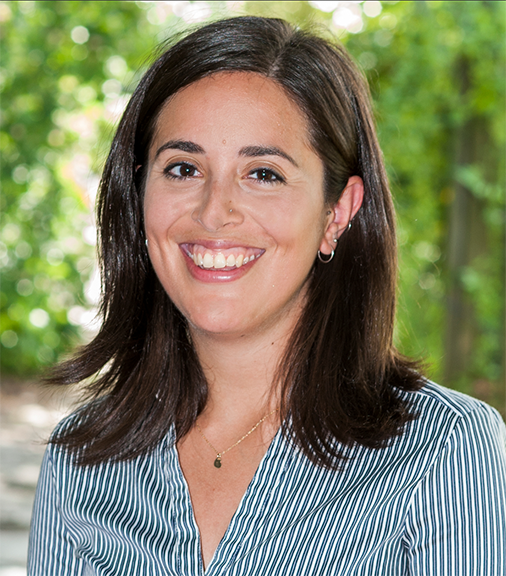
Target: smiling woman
[
  {"x": 234, "y": 207},
  {"x": 249, "y": 413}
]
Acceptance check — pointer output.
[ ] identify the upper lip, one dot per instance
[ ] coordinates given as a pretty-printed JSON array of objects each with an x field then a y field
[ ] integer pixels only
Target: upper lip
[{"x": 219, "y": 244}]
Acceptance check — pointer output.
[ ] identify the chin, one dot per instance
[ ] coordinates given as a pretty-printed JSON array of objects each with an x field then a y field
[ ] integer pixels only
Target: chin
[
  {"x": 217, "y": 328},
  {"x": 214, "y": 322}
]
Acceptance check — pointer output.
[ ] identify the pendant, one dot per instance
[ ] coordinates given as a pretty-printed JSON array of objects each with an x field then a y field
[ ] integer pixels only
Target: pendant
[{"x": 217, "y": 462}]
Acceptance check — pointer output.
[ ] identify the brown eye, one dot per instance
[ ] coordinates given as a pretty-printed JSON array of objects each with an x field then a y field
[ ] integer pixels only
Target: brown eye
[
  {"x": 266, "y": 175},
  {"x": 181, "y": 171}
]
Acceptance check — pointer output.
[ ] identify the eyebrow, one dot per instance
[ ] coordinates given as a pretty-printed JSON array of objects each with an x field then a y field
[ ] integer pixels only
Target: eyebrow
[
  {"x": 250, "y": 151},
  {"x": 184, "y": 145},
  {"x": 254, "y": 151}
]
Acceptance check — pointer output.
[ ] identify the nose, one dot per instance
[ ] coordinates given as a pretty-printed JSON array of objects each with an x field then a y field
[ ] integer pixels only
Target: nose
[{"x": 219, "y": 206}]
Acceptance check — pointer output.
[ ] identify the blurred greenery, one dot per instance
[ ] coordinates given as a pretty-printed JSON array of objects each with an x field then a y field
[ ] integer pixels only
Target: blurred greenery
[{"x": 437, "y": 78}]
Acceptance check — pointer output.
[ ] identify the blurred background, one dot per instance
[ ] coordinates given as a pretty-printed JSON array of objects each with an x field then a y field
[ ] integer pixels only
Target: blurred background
[{"x": 436, "y": 71}]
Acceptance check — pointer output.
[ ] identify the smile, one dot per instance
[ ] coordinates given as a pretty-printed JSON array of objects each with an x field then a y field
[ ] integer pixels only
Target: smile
[{"x": 222, "y": 259}]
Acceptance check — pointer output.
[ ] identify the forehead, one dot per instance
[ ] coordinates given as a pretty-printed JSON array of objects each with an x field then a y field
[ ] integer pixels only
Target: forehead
[{"x": 233, "y": 105}]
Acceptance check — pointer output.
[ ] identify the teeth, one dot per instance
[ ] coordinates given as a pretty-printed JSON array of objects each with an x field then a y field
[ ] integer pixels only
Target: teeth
[{"x": 219, "y": 261}]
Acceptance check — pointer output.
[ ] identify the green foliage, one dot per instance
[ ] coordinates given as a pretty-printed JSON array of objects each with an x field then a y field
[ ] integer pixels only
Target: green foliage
[
  {"x": 63, "y": 69},
  {"x": 437, "y": 66},
  {"x": 67, "y": 69}
]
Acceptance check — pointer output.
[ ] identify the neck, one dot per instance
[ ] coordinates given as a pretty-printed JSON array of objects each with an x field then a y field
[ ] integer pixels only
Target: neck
[{"x": 240, "y": 372}]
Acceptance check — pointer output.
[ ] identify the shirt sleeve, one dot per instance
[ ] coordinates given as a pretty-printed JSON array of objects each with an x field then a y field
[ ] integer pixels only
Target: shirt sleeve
[
  {"x": 50, "y": 549},
  {"x": 457, "y": 520}
]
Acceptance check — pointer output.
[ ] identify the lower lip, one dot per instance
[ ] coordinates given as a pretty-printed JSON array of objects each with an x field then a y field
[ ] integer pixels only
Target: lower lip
[{"x": 215, "y": 275}]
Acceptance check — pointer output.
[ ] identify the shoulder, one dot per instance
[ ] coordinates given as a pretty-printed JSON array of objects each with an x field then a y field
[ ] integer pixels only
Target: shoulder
[
  {"x": 457, "y": 509},
  {"x": 63, "y": 452},
  {"x": 445, "y": 416},
  {"x": 445, "y": 424},
  {"x": 434, "y": 395},
  {"x": 434, "y": 403}
]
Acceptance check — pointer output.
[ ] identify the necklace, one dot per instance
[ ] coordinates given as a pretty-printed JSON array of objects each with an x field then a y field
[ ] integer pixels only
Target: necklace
[{"x": 217, "y": 462}]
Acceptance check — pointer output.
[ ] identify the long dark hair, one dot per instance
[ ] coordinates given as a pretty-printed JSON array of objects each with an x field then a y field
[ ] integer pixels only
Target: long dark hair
[{"x": 340, "y": 373}]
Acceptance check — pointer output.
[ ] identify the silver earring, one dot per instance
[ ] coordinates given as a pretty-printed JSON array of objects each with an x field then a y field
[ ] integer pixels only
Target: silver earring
[
  {"x": 146, "y": 241},
  {"x": 329, "y": 257},
  {"x": 230, "y": 210}
]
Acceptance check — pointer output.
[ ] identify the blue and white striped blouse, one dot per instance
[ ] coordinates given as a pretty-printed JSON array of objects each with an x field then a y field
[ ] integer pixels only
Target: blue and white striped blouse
[{"x": 432, "y": 503}]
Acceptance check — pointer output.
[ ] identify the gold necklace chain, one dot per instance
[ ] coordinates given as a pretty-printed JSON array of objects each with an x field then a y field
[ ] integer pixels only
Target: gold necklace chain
[{"x": 217, "y": 462}]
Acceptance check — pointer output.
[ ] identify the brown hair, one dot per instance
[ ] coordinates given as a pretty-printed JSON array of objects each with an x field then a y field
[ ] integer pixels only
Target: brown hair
[{"x": 340, "y": 373}]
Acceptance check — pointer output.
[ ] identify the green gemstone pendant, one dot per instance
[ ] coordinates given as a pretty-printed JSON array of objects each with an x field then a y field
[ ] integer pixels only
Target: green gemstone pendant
[{"x": 217, "y": 462}]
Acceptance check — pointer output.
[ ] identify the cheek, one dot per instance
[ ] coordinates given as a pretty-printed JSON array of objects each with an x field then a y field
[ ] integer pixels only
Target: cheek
[
  {"x": 295, "y": 224},
  {"x": 160, "y": 212},
  {"x": 152, "y": 212}
]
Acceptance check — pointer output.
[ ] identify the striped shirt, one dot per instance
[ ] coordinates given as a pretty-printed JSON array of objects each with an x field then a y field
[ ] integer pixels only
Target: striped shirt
[{"x": 433, "y": 503}]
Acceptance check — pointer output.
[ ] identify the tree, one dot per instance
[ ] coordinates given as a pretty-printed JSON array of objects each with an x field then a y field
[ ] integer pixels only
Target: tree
[
  {"x": 436, "y": 74},
  {"x": 439, "y": 87},
  {"x": 63, "y": 70}
]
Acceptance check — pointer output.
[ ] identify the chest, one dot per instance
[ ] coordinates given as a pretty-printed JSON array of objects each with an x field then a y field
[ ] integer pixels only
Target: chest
[
  {"x": 290, "y": 519},
  {"x": 216, "y": 492}
]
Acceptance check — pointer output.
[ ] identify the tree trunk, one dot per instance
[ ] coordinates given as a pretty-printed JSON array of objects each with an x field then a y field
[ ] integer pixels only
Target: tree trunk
[{"x": 466, "y": 242}]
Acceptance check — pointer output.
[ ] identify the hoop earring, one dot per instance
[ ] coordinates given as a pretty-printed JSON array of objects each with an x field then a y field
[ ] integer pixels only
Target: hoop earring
[{"x": 330, "y": 256}]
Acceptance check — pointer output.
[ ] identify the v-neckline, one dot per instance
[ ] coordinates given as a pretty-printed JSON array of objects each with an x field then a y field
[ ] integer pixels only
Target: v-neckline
[{"x": 273, "y": 448}]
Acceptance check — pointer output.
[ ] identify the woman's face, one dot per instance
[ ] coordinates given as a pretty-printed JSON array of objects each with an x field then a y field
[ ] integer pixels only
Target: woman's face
[{"x": 234, "y": 205}]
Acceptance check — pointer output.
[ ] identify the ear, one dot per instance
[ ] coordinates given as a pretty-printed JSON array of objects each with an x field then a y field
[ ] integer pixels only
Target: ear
[{"x": 342, "y": 213}]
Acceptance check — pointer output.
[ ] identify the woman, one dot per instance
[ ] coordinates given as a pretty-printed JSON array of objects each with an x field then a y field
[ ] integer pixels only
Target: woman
[{"x": 249, "y": 413}]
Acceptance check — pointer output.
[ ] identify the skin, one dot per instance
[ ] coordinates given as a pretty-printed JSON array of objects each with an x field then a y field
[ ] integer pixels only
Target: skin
[{"x": 231, "y": 170}]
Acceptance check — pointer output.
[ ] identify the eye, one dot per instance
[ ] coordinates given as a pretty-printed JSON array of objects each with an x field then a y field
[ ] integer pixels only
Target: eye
[
  {"x": 181, "y": 171},
  {"x": 266, "y": 175}
]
